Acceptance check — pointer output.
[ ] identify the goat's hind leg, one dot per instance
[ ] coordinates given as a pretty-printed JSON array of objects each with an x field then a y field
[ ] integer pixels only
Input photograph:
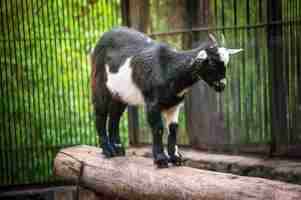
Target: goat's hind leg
[
  {"x": 116, "y": 110},
  {"x": 101, "y": 122}
]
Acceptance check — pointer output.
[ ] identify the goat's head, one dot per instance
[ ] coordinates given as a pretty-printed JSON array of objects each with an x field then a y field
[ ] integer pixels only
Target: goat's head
[{"x": 211, "y": 63}]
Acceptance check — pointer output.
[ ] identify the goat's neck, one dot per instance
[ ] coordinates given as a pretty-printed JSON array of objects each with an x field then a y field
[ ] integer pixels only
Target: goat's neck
[{"x": 182, "y": 71}]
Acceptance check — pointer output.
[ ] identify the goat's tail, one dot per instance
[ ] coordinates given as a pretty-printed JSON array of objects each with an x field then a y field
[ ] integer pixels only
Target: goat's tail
[{"x": 93, "y": 72}]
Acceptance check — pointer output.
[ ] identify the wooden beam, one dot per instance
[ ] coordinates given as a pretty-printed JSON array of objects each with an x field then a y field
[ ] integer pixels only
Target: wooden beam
[
  {"x": 281, "y": 169},
  {"x": 135, "y": 177}
]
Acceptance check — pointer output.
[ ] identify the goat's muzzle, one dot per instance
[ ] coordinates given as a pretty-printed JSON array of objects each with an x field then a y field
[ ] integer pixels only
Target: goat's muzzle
[{"x": 219, "y": 86}]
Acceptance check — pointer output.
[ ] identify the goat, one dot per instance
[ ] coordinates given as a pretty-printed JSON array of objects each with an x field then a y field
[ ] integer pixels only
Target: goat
[{"x": 129, "y": 68}]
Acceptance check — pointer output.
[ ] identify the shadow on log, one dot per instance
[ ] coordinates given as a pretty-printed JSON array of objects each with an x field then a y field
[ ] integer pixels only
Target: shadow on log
[{"x": 134, "y": 177}]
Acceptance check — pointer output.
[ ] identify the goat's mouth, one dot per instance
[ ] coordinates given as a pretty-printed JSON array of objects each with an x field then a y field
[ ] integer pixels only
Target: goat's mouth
[{"x": 219, "y": 86}]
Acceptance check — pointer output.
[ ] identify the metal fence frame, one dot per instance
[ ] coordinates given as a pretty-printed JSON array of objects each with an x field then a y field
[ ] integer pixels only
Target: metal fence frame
[
  {"x": 45, "y": 82},
  {"x": 275, "y": 23}
]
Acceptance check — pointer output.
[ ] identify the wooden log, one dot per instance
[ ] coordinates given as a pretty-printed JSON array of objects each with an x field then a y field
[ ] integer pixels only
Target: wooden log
[{"x": 135, "y": 177}]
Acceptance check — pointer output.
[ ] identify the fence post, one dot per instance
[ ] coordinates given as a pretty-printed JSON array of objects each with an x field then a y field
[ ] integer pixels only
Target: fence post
[
  {"x": 203, "y": 118},
  {"x": 277, "y": 80},
  {"x": 135, "y": 14}
]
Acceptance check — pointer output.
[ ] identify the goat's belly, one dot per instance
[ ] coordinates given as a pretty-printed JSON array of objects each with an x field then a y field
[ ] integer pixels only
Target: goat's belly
[{"x": 122, "y": 87}]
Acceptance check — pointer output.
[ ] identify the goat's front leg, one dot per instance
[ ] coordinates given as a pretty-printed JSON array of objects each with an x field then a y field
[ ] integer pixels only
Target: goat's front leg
[
  {"x": 156, "y": 123},
  {"x": 171, "y": 120},
  {"x": 175, "y": 156}
]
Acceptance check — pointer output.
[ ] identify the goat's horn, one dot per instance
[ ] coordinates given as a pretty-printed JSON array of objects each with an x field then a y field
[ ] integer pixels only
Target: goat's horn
[{"x": 212, "y": 38}]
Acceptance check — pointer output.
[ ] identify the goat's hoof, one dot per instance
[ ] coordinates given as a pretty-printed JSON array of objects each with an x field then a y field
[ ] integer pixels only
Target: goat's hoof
[
  {"x": 119, "y": 149},
  {"x": 108, "y": 150},
  {"x": 176, "y": 160},
  {"x": 161, "y": 160}
]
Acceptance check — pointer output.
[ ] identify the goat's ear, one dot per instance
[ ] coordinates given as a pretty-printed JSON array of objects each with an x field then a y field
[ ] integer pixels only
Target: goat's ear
[
  {"x": 234, "y": 51},
  {"x": 212, "y": 40}
]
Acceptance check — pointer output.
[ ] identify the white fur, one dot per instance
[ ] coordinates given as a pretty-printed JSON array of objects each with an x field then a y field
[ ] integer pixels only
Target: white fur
[
  {"x": 177, "y": 151},
  {"x": 121, "y": 84},
  {"x": 224, "y": 81},
  {"x": 202, "y": 54},
  {"x": 171, "y": 115},
  {"x": 225, "y": 54},
  {"x": 234, "y": 51}
]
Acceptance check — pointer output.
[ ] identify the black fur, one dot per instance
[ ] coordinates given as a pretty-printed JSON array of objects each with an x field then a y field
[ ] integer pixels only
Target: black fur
[
  {"x": 160, "y": 72},
  {"x": 171, "y": 145}
]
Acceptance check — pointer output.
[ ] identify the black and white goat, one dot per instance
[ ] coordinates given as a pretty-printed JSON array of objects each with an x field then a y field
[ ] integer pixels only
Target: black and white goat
[{"x": 129, "y": 68}]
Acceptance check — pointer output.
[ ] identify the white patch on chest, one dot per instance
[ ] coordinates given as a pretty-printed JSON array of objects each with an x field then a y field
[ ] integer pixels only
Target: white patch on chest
[{"x": 121, "y": 84}]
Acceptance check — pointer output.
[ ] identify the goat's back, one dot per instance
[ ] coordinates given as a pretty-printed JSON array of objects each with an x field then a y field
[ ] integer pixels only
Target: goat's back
[
  {"x": 125, "y": 40},
  {"x": 113, "y": 49},
  {"x": 116, "y": 45}
]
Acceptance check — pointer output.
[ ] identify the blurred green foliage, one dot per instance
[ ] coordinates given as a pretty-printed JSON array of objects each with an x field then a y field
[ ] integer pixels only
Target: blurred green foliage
[{"x": 45, "y": 81}]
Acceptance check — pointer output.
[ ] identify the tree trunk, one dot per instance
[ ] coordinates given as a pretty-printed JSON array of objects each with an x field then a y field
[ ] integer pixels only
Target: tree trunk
[{"x": 135, "y": 177}]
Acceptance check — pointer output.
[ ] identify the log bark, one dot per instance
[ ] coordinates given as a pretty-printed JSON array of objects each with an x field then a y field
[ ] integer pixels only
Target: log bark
[{"x": 135, "y": 177}]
